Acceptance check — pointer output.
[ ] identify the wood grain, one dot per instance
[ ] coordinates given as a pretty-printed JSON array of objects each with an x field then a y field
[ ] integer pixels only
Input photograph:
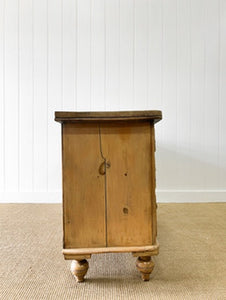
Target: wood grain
[
  {"x": 153, "y": 185},
  {"x": 145, "y": 265},
  {"x": 77, "y": 257},
  {"x": 79, "y": 269},
  {"x": 109, "y": 200},
  {"x": 128, "y": 195},
  {"x": 114, "y": 206},
  {"x": 84, "y": 187},
  {"x": 62, "y": 116},
  {"x": 84, "y": 251}
]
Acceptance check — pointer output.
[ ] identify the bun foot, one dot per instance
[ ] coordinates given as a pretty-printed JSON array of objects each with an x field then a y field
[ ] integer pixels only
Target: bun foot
[
  {"x": 79, "y": 269},
  {"x": 145, "y": 265}
]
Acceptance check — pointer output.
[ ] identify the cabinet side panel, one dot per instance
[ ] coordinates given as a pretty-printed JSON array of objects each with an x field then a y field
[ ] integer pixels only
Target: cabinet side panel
[
  {"x": 153, "y": 184},
  {"x": 128, "y": 148},
  {"x": 84, "y": 187}
]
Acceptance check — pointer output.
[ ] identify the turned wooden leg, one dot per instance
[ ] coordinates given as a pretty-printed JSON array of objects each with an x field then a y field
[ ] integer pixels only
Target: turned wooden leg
[
  {"x": 79, "y": 269},
  {"x": 145, "y": 265}
]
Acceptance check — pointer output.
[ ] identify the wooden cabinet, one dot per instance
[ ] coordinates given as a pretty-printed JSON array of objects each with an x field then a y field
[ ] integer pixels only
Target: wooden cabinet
[{"x": 109, "y": 200}]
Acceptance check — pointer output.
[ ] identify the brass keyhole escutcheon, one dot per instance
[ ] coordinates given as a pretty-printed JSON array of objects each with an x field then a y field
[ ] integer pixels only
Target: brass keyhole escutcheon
[{"x": 103, "y": 166}]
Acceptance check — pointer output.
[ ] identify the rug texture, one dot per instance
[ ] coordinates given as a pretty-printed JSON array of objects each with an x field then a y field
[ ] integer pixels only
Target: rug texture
[{"x": 191, "y": 263}]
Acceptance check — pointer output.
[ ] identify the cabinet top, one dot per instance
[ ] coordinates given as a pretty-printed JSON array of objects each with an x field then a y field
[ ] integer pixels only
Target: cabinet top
[{"x": 77, "y": 116}]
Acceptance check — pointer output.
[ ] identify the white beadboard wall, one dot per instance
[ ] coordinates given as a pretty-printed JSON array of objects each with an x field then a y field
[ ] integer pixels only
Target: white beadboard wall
[{"x": 113, "y": 55}]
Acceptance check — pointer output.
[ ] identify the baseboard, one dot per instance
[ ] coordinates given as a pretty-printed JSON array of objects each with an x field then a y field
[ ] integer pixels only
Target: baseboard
[
  {"x": 31, "y": 197},
  {"x": 181, "y": 196},
  {"x": 163, "y": 196}
]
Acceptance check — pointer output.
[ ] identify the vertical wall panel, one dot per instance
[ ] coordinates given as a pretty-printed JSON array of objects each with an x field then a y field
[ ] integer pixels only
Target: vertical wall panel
[
  {"x": 211, "y": 106},
  {"x": 127, "y": 11},
  {"x": 197, "y": 92},
  {"x": 154, "y": 59},
  {"x": 84, "y": 55},
  {"x": 98, "y": 55},
  {"x": 69, "y": 53},
  {"x": 112, "y": 34},
  {"x": 154, "y": 76},
  {"x": 2, "y": 95},
  {"x": 183, "y": 93},
  {"x": 222, "y": 93},
  {"x": 26, "y": 95},
  {"x": 11, "y": 96},
  {"x": 40, "y": 44},
  {"x": 54, "y": 91},
  {"x": 140, "y": 53},
  {"x": 169, "y": 90}
]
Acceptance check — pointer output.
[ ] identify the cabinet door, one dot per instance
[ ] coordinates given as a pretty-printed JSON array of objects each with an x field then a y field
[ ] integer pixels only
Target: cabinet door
[
  {"x": 83, "y": 186},
  {"x": 127, "y": 146}
]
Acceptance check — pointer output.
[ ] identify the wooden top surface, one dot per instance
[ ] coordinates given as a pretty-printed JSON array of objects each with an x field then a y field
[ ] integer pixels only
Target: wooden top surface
[{"x": 76, "y": 116}]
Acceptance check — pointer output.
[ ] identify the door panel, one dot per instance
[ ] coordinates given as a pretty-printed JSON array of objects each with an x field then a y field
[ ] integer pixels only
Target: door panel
[
  {"x": 127, "y": 146},
  {"x": 84, "y": 187}
]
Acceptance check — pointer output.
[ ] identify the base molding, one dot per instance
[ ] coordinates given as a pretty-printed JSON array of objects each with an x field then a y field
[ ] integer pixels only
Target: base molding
[{"x": 150, "y": 250}]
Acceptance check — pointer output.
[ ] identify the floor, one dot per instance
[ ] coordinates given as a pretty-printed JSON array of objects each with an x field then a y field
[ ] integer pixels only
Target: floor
[{"x": 191, "y": 263}]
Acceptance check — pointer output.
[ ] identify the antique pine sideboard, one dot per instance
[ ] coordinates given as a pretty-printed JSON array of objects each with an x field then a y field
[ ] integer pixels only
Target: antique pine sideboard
[{"x": 109, "y": 202}]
